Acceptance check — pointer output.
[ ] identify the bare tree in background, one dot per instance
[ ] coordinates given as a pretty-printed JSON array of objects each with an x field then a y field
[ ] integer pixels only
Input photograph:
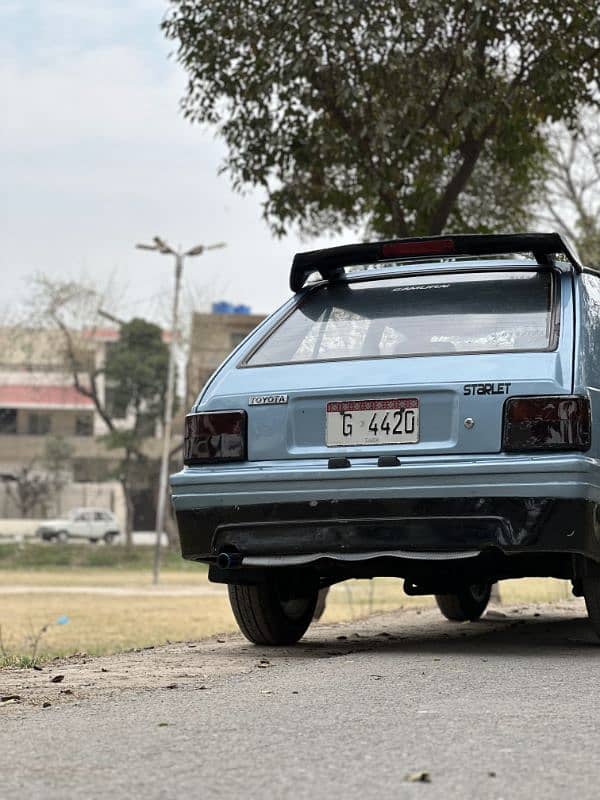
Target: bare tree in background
[
  {"x": 571, "y": 201},
  {"x": 38, "y": 485},
  {"x": 137, "y": 373},
  {"x": 29, "y": 488}
]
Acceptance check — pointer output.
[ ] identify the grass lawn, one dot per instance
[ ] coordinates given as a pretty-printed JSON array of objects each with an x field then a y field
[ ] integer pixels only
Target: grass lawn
[{"x": 114, "y": 607}]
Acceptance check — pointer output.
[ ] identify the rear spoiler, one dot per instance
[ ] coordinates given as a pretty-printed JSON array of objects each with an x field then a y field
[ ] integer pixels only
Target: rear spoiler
[{"x": 330, "y": 263}]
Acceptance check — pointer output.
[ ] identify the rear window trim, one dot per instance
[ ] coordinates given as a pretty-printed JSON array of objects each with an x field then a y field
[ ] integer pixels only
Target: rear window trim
[{"x": 554, "y": 317}]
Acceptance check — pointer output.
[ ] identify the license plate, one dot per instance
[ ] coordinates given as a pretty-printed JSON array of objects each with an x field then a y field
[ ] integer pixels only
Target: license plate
[{"x": 372, "y": 422}]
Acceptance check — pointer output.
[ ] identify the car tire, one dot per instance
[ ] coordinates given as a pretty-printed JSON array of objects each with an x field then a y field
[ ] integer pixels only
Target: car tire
[
  {"x": 467, "y": 604},
  {"x": 109, "y": 538},
  {"x": 267, "y": 615},
  {"x": 591, "y": 595},
  {"x": 62, "y": 537}
]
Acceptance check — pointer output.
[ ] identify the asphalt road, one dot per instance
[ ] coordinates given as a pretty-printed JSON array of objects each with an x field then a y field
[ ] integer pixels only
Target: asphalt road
[{"x": 505, "y": 708}]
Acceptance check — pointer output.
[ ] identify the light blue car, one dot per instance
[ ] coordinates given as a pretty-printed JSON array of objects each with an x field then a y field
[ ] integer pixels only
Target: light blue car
[{"x": 422, "y": 410}]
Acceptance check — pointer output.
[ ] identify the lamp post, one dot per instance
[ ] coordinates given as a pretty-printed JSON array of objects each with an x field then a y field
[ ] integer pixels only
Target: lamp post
[{"x": 160, "y": 246}]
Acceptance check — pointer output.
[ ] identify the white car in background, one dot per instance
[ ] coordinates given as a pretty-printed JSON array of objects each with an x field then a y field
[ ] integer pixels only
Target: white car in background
[{"x": 89, "y": 524}]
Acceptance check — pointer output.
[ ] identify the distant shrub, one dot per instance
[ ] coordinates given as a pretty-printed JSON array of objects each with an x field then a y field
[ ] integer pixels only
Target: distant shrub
[{"x": 37, "y": 555}]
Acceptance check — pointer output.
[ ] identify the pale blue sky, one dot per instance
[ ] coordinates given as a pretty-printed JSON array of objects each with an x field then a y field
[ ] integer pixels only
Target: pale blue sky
[{"x": 95, "y": 156}]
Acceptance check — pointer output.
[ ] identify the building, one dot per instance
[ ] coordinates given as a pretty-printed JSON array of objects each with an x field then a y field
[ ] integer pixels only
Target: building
[
  {"x": 38, "y": 400},
  {"x": 213, "y": 336}
]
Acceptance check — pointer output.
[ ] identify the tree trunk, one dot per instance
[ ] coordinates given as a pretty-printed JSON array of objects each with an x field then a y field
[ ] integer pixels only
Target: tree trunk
[{"x": 471, "y": 150}]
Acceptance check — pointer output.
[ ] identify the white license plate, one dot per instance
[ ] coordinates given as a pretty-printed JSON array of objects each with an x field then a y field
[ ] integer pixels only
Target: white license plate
[{"x": 372, "y": 422}]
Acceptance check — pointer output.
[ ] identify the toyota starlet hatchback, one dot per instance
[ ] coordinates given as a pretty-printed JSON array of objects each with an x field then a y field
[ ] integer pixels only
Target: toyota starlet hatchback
[{"x": 422, "y": 410}]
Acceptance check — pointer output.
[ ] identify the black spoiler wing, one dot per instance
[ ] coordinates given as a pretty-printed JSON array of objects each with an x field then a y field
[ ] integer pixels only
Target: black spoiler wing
[{"x": 330, "y": 263}]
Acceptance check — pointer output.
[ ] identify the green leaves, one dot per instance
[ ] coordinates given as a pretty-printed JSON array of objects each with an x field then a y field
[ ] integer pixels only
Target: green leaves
[
  {"x": 136, "y": 375},
  {"x": 385, "y": 113}
]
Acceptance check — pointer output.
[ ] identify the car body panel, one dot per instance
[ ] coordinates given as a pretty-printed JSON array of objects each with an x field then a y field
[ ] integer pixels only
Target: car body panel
[
  {"x": 563, "y": 475},
  {"x": 586, "y": 357},
  {"x": 444, "y": 404}
]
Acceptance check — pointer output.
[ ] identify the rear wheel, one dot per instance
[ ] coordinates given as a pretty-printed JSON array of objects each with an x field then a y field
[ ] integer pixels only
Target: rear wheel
[
  {"x": 109, "y": 537},
  {"x": 591, "y": 594},
  {"x": 271, "y": 614},
  {"x": 62, "y": 537},
  {"x": 467, "y": 604}
]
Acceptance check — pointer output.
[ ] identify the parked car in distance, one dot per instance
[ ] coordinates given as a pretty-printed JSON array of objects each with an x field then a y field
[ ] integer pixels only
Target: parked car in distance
[
  {"x": 88, "y": 524},
  {"x": 422, "y": 410}
]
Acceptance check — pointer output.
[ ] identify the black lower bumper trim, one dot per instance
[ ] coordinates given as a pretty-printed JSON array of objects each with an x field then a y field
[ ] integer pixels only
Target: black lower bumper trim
[{"x": 524, "y": 525}]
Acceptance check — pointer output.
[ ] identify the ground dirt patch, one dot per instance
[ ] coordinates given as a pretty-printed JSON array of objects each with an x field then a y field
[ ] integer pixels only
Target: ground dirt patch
[{"x": 200, "y": 665}]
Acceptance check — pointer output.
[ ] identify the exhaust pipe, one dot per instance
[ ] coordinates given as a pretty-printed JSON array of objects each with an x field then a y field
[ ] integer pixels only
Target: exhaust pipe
[{"x": 229, "y": 560}]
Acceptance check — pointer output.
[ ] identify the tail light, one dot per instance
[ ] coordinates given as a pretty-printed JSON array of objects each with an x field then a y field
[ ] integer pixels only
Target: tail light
[
  {"x": 427, "y": 247},
  {"x": 546, "y": 423},
  {"x": 214, "y": 436}
]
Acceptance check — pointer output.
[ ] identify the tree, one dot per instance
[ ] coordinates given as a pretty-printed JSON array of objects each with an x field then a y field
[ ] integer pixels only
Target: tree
[
  {"x": 135, "y": 374},
  {"x": 388, "y": 114},
  {"x": 571, "y": 197},
  {"x": 29, "y": 488},
  {"x": 127, "y": 388},
  {"x": 136, "y": 382},
  {"x": 38, "y": 484}
]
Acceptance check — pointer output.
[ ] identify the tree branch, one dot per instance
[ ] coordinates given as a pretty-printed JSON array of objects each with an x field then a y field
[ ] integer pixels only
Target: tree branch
[
  {"x": 92, "y": 392},
  {"x": 471, "y": 150}
]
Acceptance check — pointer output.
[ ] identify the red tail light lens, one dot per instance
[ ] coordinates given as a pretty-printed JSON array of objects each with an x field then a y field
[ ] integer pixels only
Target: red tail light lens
[
  {"x": 214, "y": 437},
  {"x": 429, "y": 247},
  {"x": 546, "y": 423}
]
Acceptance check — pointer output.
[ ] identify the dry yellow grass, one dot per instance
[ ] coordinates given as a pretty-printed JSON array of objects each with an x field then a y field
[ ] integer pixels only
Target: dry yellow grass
[
  {"x": 111, "y": 610},
  {"x": 100, "y": 576},
  {"x": 105, "y": 624}
]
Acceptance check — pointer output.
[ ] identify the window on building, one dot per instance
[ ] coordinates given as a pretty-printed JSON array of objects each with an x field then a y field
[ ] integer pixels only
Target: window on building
[
  {"x": 38, "y": 424},
  {"x": 8, "y": 420},
  {"x": 84, "y": 425}
]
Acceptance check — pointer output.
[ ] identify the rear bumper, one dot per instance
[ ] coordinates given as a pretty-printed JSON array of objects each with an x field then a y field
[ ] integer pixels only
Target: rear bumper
[
  {"x": 273, "y": 509},
  {"x": 286, "y": 534}
]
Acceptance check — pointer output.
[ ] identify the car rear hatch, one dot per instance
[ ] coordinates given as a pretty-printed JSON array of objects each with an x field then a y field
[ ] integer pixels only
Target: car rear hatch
[{"x": 410, "y": 365}]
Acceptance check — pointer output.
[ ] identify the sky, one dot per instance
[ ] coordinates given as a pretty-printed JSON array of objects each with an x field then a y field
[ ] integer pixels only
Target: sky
[{"x": 96, "y": 156}]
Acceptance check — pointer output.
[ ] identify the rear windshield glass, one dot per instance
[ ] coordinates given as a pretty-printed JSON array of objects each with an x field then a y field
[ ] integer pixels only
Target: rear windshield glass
[{"x": 423, "y": 315}]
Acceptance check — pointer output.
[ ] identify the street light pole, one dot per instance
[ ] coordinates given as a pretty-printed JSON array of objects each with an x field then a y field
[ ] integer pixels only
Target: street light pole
[
  {"x": 160, "y": 246},
  {"x": 168, "y": 422}
]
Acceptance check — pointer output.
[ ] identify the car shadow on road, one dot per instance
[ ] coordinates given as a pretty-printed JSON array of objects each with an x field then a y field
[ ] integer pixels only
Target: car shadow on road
[{"x": 528, "y": 636}]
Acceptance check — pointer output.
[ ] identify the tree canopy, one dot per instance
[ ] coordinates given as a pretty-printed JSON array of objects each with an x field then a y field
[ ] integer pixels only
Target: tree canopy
[
  {"x": 136, "y": 373},
  {"x": 570, "y": 201},
  {"x": 400, "y": 116}
]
